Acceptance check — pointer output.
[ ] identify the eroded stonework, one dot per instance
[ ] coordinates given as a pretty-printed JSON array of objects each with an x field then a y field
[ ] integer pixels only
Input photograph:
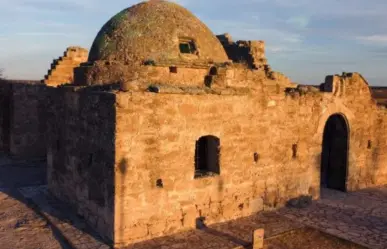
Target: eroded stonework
[
  {"x": 61, "y": 71},
  {"x": 146, "y": 145}
]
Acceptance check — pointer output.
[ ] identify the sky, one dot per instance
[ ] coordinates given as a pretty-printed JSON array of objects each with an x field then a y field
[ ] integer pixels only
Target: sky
[{"x": 305, "y": 39}]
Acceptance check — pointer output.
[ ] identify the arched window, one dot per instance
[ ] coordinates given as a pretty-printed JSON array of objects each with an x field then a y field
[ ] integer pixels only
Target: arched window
[
  {"x": 207, "y": 156},
  {"x": 213, "y": 71}
]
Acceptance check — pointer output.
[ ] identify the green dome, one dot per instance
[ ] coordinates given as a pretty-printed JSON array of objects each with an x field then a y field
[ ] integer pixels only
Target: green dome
[{"x": 156, "y": 30}]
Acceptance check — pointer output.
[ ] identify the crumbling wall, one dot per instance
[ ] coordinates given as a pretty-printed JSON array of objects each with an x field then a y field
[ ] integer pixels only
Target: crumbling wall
[
  {"x": 252, "y": 54},
  {"x": 61, "y": 71},
  {"x": 80, "y": 154}
]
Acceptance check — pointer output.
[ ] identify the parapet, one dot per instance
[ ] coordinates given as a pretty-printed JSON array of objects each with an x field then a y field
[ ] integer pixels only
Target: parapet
[{"x": 61, "y": 71}]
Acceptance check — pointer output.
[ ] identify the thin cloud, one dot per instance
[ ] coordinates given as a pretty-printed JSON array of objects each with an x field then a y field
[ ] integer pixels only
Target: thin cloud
[
  {"x": 44, "y": 34},
  {"x": 374, "y": 39},
  {"x": 298, "y": 21}
]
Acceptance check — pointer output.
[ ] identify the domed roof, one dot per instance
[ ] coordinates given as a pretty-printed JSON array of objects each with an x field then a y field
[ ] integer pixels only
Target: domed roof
[{"x": 154, "y": 31}]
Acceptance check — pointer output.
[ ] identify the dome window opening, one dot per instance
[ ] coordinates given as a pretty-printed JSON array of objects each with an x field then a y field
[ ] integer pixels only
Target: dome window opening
[{"x": 187, "y": 46}]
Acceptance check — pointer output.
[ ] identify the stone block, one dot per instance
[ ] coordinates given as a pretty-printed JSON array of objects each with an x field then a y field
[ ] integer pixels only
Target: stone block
[
  {"x": 258, "y": 239},
  {"x": 256, "y": 205}
]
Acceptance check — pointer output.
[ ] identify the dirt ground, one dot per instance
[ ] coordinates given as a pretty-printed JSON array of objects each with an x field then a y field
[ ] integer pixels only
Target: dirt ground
[
  {"x": 308, "y": 238},
  {"x": 22, "y": 228}
]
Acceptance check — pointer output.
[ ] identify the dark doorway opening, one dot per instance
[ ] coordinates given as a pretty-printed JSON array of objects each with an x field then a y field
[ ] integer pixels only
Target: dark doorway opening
[
  {"x": 207, "y": 156},
  {"x": 334, "y": 158}
]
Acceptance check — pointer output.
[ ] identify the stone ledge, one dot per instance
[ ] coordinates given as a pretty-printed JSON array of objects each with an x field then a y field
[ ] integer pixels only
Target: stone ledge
[{"x": 167, "y": 89}]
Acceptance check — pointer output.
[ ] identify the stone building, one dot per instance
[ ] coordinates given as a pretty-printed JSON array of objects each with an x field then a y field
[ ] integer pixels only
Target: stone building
[{"x": 167, "y": 124}]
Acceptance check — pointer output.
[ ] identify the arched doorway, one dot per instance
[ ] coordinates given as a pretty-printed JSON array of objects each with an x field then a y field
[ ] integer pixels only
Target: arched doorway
[{"x": 334, "y": 158}]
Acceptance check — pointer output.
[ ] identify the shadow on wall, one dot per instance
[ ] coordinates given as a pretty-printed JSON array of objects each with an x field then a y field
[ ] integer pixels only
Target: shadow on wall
[{"x": 121, "y": 215}]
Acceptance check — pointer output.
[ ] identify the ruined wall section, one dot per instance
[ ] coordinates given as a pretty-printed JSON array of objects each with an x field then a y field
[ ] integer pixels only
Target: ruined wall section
[
  {"x": 252, "y": 54},
  {"x": 80, "y": 157},
  {"x": 61, "y": 71}
]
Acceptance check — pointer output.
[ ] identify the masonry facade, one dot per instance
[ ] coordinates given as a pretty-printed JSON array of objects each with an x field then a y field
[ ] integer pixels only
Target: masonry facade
[{"x": 149, "y": 139}]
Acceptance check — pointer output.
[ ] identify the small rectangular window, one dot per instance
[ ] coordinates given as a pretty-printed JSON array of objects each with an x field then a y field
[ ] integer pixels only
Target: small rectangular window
[
  {"x": 187, "y": 46},
  {"x": 173, "y": 69}
]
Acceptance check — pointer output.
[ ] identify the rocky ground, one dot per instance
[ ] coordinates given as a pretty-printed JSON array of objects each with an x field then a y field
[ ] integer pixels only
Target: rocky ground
[{"x": 32, "y": 219}]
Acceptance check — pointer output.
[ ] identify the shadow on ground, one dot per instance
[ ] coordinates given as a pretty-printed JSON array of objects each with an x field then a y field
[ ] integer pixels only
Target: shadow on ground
[{"x": 19, "y": 174}]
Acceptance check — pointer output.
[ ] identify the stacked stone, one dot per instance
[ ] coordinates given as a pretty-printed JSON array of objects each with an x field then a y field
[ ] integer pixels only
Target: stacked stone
[
  {"x": 257, "y": 53},
  {"x": 283, "y": 79},
  {"x": 61, "y": 71}
]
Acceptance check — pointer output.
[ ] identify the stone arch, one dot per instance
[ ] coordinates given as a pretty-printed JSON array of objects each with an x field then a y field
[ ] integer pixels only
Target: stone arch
[{"x": 335, "y": 152}]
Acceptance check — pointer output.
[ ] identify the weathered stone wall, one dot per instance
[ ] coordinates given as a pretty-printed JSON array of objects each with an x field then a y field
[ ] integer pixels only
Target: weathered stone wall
[
  {"x": 26, "y": 119},
  {"x": 115, "y": 72},
  {"x": 156, "y": 136},
  {"x": 80, "y": 153},
  {"x": 165, "y": 150},
  {"x": 377, "y": 155}
]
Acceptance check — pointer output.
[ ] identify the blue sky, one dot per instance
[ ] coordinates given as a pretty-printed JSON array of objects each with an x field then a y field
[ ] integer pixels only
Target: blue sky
[{"x": 305, "y": 39}]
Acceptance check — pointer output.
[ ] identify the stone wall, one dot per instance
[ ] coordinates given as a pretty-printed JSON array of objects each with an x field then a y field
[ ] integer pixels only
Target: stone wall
[
  {"x": 22, "y": 118},
  {"x": 155, "y": 142},
  {"x": 80, "y": 154},
  {"x": 61, "y": 71},
  {"x": 27, "y": 132}
]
